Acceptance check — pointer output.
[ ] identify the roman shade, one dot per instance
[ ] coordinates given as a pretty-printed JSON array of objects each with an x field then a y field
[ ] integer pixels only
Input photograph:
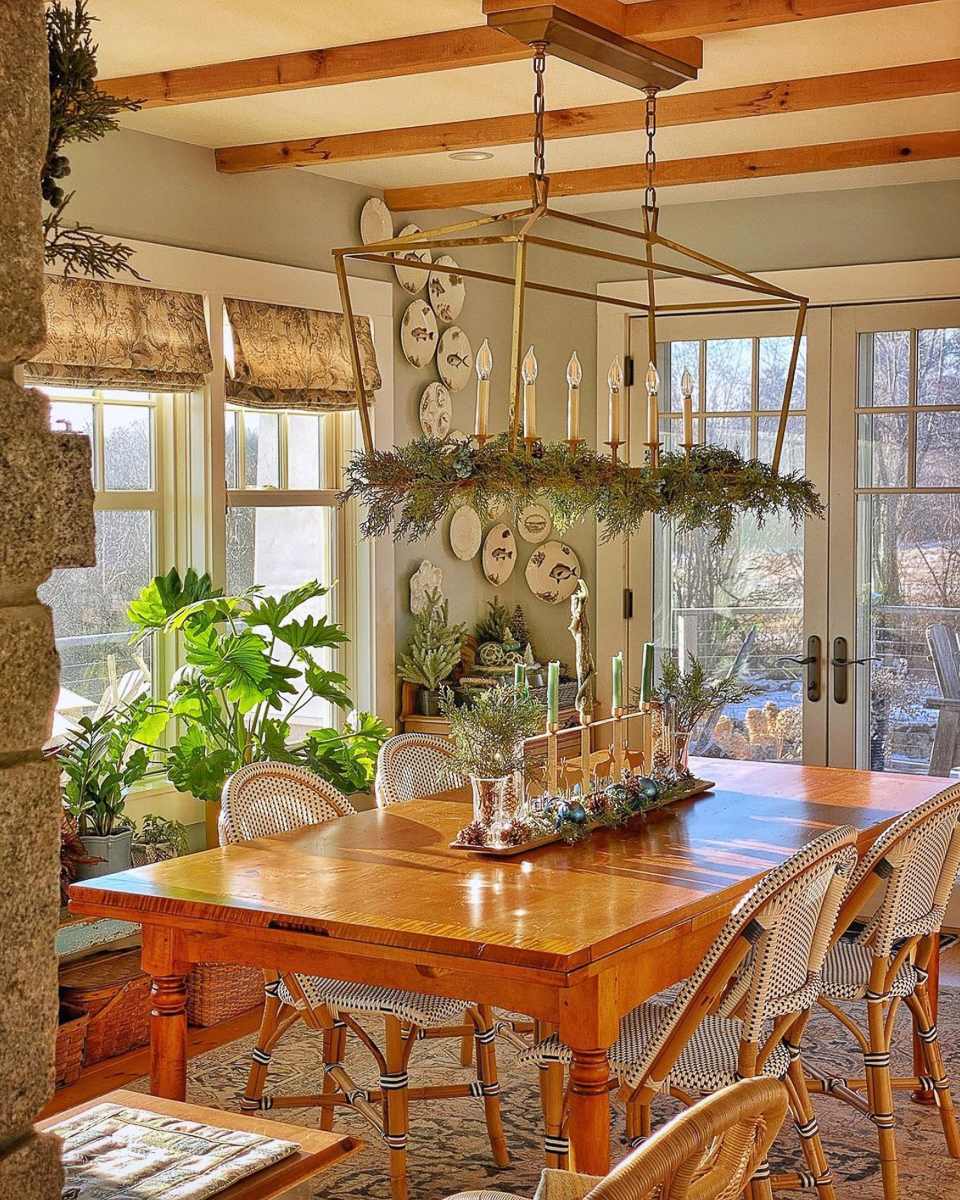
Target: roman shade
[
  {"x": 114, "y": 335},
  {"x": 285, "y": 357}
]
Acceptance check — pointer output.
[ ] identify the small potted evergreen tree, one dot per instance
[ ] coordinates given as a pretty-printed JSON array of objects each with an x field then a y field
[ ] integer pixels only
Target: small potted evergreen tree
[{"x": 433, "y": 651}]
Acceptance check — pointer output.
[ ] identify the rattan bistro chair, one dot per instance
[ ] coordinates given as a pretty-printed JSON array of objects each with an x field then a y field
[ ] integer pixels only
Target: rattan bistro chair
[
  {"x": 709, "y": 1152},
  {"x": 742, "y": 1013},
  {"x": 267, "y": 798},
  {"x": 913, "y": 865},
  {"x": 409, "y": 767}
]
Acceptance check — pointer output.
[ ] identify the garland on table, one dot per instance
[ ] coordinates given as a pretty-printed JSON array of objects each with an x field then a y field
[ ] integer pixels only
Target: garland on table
[
  {"x": 411, "y": 488},
  {"x": 575, "y": 819}
]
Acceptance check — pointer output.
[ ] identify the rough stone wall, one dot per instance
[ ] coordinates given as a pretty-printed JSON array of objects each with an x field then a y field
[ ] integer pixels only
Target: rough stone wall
[{"x": 46, "y": 521}]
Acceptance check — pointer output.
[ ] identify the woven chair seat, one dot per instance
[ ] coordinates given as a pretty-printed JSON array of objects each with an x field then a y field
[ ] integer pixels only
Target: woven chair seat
[
  {"x": 707, "y": 1063},
  {"x": 424, "y": 1011},
  {"x": 846, "y": 973}
]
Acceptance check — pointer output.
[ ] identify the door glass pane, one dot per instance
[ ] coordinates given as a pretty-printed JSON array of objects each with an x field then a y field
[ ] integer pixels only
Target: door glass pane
[
  {"x": 774, "y": 362},
  {"x": 729, "y": 375},
  {"x": 882, "y": 449},
  {"x": 90, "y": 603},
  {"x": 731, "y": 432},
  {"x": 938, "y": 440},
  {"x": 683, "y": 356},
  {"x": 793, "y": 455},
  {"x": 886, "y": 381},
  {"x": 938, "y": 366},
  {"x": 127, "y": 449},
  {"x": 908, "y": 588}
]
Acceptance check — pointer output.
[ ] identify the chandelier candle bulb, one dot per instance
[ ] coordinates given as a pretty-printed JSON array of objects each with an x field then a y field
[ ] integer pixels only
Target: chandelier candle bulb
[
  {"x": 615, "y": 384},
  {"x": 484, "y": 368},
  {"x": 553, "y": 693},
  {"x": 529, "y": 372},
  {"x": 574, "y": 379},
  {"x": 617, "y": 682},
  {"x": 686, "y": 391},
  {"x": 653, "y": 412}
]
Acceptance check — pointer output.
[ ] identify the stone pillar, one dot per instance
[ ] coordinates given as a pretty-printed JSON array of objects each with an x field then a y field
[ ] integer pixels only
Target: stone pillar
[{"x": 46, "y": 521}]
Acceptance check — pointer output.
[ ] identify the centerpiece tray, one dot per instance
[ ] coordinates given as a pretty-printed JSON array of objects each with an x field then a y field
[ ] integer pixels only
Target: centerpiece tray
[{"x": 693, "y": 787}]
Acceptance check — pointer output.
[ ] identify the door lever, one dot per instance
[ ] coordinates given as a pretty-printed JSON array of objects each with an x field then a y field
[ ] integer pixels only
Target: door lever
[
  {"x": 840, "y": 662},
  {"x": 812, "y": 662}
]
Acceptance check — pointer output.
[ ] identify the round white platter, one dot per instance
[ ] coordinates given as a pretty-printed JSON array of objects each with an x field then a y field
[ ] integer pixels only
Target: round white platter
[
  {"x": 418, "y": 333},
  {"x": 499, "y": 554},
  {"x": 446, "y": 289},
  {"x": 436, "y": 409},
  {"x": 553, "y": 572},
  {"x": 466, "y": 533},
  {"x": 454, "y": 358},
  {"x": 376, "y": 223},
  {"x": 534, "y": 523},
  {"x": 411, "y": 279}
]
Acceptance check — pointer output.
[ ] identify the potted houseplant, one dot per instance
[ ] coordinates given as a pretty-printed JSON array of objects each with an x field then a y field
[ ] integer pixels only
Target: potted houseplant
[
  {"x": 488, "y": 738},
  {"x": 433, "y": 651},
  {"x": 101, "y": 762},
  {"x": 251, "y": 665},
  {"x": 158, "y": 839}
]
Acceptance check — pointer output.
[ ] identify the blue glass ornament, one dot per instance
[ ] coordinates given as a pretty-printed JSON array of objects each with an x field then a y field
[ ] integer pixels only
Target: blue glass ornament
[{"x": 572, "y": 811}]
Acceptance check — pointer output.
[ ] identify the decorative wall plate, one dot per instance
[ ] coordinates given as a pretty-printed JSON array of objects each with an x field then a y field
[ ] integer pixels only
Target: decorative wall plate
[
  {"x": 426, "y": 578},
  {"x": 436, "y": 408},
  {"x": 418, "y": 333},
  {"x": 376, "y": 223},
  {"x": 466, "y": 532},
  {"x": 534, "y": 523},
  {"x": 499, "y": 554},
  {"x": 553, "y": 572},
  {"x": 411, "y": 279},
  {"x": 454, "y": 358},
  {"x": 446, "y": 289}
]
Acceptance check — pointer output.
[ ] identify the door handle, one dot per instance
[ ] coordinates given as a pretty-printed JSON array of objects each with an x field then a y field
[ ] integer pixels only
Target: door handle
[
  {"x": 812, "y": 662},
  {"x": 840, "y": 662}
]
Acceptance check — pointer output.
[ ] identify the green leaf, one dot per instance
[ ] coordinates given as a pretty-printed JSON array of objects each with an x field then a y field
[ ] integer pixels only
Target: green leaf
[
  {"x": 236, "y": 662},
  {"x": 192, "y": 767},
  {"x": 272, "y": 611},
  {"x": 166, "y": 595},
  {"x": 326, "y": 684},
  {"x": 310, "y": 634}
]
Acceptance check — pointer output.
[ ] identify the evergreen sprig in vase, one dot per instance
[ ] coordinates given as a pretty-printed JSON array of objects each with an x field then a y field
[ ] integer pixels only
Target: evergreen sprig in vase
[{"x": 488, "y": 738}]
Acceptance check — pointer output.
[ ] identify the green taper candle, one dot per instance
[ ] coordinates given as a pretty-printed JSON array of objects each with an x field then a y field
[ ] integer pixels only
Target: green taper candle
[
  {"x": 646, "y": 679},
  {"x": 553, "y": 693}
]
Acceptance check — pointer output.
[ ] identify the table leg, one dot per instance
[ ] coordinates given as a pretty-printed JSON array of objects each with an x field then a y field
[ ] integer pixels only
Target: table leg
[
  {"x": 162, "y": 957},
  {"x": 922, "y": 1095},
  {"x": 589, "y": 1024}
]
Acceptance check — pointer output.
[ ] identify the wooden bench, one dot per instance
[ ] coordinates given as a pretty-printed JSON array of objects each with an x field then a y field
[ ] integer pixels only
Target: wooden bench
[
  {"x": 288, "y": 1178},
  {"x": 945, "y": 652}
]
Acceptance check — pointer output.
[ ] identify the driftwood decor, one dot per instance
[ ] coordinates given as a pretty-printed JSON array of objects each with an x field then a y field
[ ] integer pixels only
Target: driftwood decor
[{"x": 410, "y": 488}]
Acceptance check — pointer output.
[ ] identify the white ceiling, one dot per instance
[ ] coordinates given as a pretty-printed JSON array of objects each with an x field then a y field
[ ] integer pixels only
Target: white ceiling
[{"x": 142, "y": 35}]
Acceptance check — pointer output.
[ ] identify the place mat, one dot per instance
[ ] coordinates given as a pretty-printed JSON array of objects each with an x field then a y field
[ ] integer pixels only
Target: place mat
[{"x": 120, "y": 1153}]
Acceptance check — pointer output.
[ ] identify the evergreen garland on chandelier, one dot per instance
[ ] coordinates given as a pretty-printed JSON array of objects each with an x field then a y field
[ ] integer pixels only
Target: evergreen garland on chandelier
[{"x": 409, "y": 489}]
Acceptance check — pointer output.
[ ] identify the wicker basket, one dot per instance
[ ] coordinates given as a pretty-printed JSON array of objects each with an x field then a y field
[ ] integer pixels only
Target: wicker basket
[
  {"x": 218, "y": 991},
  {"x": 114, "y": 992},
  {"x": 71, "y": 1038}
]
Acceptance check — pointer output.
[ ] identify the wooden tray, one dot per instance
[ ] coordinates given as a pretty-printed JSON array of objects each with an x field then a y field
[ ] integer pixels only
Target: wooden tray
[{"x": 696, "y": 787}]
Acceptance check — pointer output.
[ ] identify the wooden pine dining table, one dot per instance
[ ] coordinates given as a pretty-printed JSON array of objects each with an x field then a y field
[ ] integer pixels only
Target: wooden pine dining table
[{"x": 571, "y": 935}]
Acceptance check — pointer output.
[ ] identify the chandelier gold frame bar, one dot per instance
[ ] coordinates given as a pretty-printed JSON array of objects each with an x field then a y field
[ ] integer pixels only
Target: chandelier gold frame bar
[{"x": 390, "y": 250}]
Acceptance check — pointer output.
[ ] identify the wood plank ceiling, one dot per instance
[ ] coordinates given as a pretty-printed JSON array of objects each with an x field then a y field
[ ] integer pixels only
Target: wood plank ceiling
[{"x": 793, "y": 94}]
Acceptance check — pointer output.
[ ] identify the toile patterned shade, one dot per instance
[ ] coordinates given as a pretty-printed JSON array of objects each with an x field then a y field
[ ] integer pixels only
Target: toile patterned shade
[
  {"x": 285, "y": 357},
  {"x": 115, "y": 335}
]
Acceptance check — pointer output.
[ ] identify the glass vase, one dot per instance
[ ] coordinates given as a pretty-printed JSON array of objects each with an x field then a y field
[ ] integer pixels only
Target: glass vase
[
  {"x": 497, "y": 804},
  {"x": 681, "y": 753}
]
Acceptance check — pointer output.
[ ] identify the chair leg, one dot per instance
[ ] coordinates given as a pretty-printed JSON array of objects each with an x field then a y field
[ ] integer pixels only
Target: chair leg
[
  {"x": 808, "y": 1129},
  {"x": 919, "y": 1004},
  {"x": 486, "y": 1053},
  {"x": 334, "y": 1048},
  {"x": 393, "y": 1084},
  {"x": 466, "y": 1049},
  {"x": 274, "y": 1010},
  {"x": 880, "y": 1096},
  {"x": 556, "y": 1146},
  {"x": 760, "y": 1186}
]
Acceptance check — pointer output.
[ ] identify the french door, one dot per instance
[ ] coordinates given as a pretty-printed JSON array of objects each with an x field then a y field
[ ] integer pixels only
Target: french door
[{"x": 828, "y": 625}]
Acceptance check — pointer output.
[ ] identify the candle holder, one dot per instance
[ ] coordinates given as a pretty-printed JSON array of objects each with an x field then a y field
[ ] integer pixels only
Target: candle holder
[
  {"x": 617, "y": 714},
  {"x": 614, "y": 449},
  {"x": 480, "y": 438},
  {"x": 653, "y": 452},
  {"x": 573, "y": 443},
  {"x": 530, "y": 443},
  {"x": 552, "y": 757},
  {"x": 688, "y": 448}
]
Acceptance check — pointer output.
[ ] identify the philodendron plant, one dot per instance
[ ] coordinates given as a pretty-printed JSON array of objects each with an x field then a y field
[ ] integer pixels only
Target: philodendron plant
[{"x": 251, "y": 664}]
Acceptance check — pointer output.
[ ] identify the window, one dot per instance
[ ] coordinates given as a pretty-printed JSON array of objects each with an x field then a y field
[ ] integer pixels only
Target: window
[{"x": 132, "y": 518}]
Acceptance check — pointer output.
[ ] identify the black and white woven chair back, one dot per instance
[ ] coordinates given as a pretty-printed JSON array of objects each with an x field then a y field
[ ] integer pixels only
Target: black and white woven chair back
[
  {"x": 410, "y": 766},
  {"x": 917, "y": 859},
  {"x": 273, "y": 797},
  {"x": 790, "y": 912}
]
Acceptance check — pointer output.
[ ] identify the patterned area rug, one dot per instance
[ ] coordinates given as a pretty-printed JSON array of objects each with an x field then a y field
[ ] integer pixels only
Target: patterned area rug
[{"x": 448, "y": 1149}]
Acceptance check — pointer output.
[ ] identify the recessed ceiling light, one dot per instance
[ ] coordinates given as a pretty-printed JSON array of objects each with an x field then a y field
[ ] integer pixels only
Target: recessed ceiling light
[{"x": 471, "y": 155}]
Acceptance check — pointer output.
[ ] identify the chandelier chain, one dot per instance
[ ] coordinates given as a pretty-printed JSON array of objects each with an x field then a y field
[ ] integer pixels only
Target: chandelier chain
[
  {"x": 539, "y": 104},
  {"x": 650, "y": 125}
]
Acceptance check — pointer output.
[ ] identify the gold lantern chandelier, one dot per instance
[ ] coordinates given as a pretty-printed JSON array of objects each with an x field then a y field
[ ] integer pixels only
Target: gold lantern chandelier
[{"x": 408, "y": 490}]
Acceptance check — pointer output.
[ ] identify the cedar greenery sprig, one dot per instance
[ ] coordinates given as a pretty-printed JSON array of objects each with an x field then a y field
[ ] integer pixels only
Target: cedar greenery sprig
[
  {"x": 488, "y": 735},
  {"x": 411, "y": 488},
  {"x": 693, "y": 693},
  {"x": 80, "y": 111}
]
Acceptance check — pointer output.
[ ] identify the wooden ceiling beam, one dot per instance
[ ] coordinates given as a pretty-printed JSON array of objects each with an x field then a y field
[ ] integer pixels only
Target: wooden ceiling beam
[
  {"x": 752, "y": 164},
  {"x": 652, "y": 20},
  {"x": 752, "y": 100}
]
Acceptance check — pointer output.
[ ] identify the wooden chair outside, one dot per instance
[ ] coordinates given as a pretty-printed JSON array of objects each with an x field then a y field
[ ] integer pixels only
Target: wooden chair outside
[
  {"x": 944, "y": 648},
  {"x": 266, "y": 798},
  {"x": 914, "y": 865},
  {"x": 741, "y": 1014},
  {"x": 709, "y": 1152}
]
